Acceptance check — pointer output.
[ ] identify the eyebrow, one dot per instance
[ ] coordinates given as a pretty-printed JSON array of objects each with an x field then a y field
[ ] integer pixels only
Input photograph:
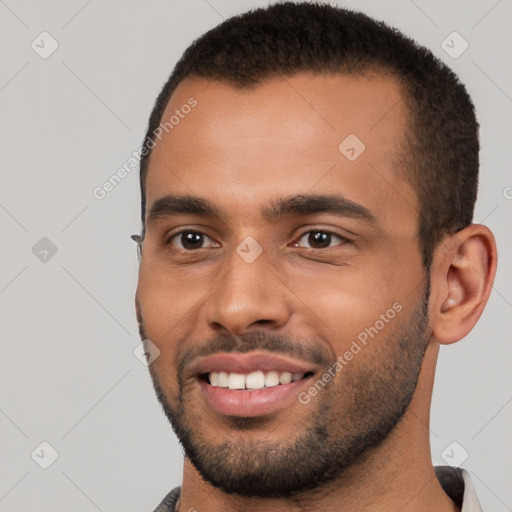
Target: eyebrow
[{"x": 297, "y": 205}]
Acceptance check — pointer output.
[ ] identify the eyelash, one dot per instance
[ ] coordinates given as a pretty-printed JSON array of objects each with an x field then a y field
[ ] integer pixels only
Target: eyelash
[{"x": 326, "y": 231}]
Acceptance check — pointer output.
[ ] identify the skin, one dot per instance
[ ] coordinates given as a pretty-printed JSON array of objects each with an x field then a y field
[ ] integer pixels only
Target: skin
[{"x": 239, "y": 148}]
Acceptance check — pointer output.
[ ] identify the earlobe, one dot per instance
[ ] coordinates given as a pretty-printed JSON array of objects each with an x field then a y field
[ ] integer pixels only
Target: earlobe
[{"x": 464, "y": 267}]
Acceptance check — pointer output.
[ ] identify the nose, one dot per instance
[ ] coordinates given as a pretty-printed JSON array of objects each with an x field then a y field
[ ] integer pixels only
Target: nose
[{"x": 249, "y": 295}]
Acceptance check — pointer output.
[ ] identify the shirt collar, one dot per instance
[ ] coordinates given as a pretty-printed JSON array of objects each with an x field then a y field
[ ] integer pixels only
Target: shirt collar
[{"x": 456, "y": 483}]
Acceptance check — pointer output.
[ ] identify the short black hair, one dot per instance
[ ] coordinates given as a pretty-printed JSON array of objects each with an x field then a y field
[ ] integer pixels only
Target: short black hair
[{"x": 439, "y": 154}]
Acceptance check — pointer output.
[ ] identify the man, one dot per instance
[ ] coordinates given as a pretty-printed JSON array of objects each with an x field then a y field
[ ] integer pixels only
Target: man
[{"x": 308, "y": 181}]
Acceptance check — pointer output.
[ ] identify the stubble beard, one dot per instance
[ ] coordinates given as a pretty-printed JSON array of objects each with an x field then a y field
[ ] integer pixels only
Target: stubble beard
[{"x": 356, "y": 412}]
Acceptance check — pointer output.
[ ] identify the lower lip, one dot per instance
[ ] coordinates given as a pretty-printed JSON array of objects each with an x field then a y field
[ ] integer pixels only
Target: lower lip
[{"x": 250, "y": 403}]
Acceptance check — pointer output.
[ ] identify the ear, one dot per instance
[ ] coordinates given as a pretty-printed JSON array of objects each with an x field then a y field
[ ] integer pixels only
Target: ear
[{"x": 462, "y": 275}]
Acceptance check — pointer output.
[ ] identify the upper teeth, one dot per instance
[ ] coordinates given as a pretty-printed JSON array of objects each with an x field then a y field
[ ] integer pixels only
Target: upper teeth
[{"x": 254, "y": 380}]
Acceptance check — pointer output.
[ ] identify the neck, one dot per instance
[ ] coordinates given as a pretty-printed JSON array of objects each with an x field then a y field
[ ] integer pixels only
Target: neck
[{"x": 396, "y": 475}]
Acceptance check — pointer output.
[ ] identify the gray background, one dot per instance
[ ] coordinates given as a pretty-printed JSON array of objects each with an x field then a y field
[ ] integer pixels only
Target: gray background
[{"x": 68, "y": 374}]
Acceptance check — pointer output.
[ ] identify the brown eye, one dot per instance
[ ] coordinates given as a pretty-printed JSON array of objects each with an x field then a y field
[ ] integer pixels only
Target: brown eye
[
  {"x": 320, "y": 239},
  {"x": 190, "y": 240}
]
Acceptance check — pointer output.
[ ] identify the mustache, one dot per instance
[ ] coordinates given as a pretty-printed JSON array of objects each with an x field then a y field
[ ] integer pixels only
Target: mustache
[
  {"x": 258, "y": 341},
  {"x": 286, "y": 345}
]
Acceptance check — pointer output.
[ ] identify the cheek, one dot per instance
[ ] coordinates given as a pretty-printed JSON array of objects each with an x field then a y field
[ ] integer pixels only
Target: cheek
[
  {"x": 341, "y": 303},
  {"x": 167, "y": 302}
]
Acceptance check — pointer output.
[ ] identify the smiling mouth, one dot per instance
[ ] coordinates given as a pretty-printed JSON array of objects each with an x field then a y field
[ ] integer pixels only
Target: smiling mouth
[
  {"x": 253, "y": 384},
  {"x": 258, "y": 379}
]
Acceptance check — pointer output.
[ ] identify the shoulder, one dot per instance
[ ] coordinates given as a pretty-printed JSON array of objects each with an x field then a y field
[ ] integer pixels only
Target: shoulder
[{"x": 169, "y": 502}]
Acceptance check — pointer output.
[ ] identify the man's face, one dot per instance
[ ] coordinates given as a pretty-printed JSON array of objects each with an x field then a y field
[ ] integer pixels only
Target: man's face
[{"x": 271, "y": 282}]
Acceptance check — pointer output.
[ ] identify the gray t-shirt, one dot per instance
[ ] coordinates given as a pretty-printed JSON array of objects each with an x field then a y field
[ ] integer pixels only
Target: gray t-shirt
[{"x": 456, "y": 482}]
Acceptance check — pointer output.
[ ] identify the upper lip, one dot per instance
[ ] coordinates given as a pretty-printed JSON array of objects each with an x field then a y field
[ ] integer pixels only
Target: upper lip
[{"x": 247, "y": 363}]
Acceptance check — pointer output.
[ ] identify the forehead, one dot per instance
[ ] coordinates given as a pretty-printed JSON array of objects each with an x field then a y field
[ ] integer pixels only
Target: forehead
[{"x": 289, "y": 135}]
